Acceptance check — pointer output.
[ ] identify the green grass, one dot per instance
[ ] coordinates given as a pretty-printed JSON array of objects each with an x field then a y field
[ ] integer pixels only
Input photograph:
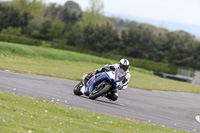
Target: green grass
[
  {"x": 21, "y": 114},
  {"x": 72, "y": 65}
]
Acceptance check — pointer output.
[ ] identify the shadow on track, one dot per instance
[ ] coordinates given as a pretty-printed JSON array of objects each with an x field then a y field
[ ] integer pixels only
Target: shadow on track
[
  {"x": 102, "y": 101},
  {"x": 110, "y": 102}
]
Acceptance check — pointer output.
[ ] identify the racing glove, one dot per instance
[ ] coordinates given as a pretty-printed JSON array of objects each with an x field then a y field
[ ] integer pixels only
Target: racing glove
[
  {"x": 119, "y": 85},
  {"x": 108, "y": 67}
]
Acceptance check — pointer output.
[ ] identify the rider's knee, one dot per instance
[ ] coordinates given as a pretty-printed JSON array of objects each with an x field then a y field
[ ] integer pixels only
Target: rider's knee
[{"x": 113, "y": 96}]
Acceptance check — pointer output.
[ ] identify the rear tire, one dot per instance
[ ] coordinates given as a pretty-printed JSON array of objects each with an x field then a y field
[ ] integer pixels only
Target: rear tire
[
  {"x": 77, "y": 89},
  {"x": 97, "y": 92}
]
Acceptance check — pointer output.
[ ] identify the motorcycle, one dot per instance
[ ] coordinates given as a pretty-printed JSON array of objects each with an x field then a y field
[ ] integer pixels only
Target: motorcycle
[{"x": 100, "y": 84}]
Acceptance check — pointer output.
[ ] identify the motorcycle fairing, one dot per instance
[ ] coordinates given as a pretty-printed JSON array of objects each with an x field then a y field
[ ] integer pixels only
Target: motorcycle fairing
[{"x": 95, "y": 80}]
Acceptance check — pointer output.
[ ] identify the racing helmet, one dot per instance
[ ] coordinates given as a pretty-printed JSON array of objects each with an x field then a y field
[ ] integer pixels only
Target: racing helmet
[{"x": 124, "y": 64}]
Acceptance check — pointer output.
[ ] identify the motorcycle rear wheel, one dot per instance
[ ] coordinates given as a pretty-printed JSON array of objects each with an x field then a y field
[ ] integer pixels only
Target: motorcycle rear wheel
[{"x": 99, "y": 91}]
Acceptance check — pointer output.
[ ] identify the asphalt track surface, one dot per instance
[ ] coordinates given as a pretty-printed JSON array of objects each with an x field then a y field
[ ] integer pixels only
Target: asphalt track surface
[{"x": 169, "y": 109}]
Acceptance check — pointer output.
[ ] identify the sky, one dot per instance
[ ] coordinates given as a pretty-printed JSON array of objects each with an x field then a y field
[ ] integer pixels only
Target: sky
[{"x": 166, "y": 13}]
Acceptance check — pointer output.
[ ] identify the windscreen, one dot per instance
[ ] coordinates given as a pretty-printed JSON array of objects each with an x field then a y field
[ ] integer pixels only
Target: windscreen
[{"x": 120, "y": 74}]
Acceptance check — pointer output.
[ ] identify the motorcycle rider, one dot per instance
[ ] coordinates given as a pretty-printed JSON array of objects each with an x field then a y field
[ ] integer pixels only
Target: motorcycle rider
[{"x": 123, "y": 64}]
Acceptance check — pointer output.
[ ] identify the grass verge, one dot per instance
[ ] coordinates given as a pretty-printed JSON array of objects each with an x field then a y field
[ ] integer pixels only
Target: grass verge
[{"x": 21, "y": 114}]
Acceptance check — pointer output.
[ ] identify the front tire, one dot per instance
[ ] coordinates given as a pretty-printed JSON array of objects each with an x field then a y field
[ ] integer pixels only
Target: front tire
[
  {"x": 100, "y": 90},
  {"x": 77, "y": 89}
]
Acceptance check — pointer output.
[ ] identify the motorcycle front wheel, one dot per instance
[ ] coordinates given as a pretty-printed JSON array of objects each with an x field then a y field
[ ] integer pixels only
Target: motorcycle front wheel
[
  {"x": 77, "y": 89},
  {"x": 100, "y": 90}
]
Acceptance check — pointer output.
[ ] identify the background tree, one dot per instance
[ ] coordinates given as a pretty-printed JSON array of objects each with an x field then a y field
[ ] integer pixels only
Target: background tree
[
  {"x": 161, "y": 46},
  {"x": 137, "y": 42},
  {"x": 196, "y": 56},
  {"x": 71, "y": 12},
  {"x": 35, "y": 7},
  {"x": 53, "y": 11},
  {"x": 56, "y": 30},
  {"x": 11, "y": 17},
  {"x": 101, "y": 39},
  {"x": 181, "y": 47},
  {"x": 45, "y": 27},
  {"x": 94, "y": 13},
  {"x": 32, "y": 26},
  {"x": 75, "y": 36}
]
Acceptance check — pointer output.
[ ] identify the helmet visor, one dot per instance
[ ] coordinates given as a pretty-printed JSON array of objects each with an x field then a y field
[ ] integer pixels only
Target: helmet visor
[{"x": 125, "y": 68}]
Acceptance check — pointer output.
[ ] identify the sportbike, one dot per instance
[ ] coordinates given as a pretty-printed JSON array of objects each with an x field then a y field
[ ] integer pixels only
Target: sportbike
[{"x": 100, "y": 84}]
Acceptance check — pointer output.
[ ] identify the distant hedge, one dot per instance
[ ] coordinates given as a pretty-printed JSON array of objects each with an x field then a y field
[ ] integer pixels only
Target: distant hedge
[
  {"x": 154, "y": 66},
  {"x": 19, "y": 39}
]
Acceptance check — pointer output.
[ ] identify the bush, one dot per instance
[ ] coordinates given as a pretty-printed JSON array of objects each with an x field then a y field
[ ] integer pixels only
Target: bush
[
  {"x": 19, "y": 39},
  {"x": 35, "y": 34},
  {"x": 12, "y": 31}
]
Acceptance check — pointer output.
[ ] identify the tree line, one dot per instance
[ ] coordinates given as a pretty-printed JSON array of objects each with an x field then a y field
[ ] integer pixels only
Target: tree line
[{"x": 90, "y": 30}]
